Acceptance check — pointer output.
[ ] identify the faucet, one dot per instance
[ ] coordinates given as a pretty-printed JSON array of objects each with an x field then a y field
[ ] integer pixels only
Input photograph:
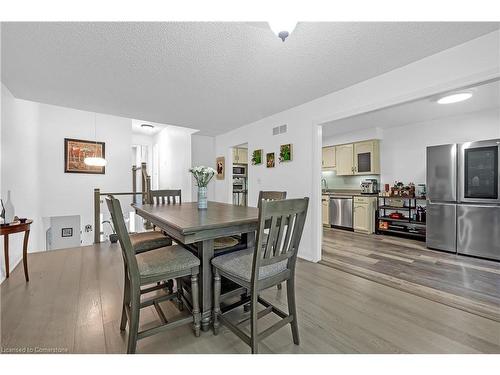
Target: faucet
[{"x": 324, "y": 184}]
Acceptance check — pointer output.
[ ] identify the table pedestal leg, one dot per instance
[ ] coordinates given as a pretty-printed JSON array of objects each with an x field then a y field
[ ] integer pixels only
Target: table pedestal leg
[
  {"x": 6, "y": 252},
  {"x": 206, "y": 253},
  {"x": 25, "y": 255}
]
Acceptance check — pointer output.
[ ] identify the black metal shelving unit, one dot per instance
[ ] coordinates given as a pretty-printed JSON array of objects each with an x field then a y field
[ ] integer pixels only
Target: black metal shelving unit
[{"x": 404, "y": 227}]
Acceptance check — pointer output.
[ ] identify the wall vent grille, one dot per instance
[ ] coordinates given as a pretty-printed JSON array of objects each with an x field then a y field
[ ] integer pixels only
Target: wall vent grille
[{"x": 280, "y": 129}]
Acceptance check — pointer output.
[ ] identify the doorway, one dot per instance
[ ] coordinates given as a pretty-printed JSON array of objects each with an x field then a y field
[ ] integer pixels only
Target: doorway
[{"x": 239, "y": 158}]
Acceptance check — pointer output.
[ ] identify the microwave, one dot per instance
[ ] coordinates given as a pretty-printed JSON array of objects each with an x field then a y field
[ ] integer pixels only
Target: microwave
[{"x": 239, "y": 170}]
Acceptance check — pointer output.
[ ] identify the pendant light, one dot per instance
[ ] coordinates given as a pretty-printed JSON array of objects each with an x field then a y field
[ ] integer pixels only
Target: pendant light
[
  {"x": 282, "y": 28},
  {"x": 95, "y": 161}
]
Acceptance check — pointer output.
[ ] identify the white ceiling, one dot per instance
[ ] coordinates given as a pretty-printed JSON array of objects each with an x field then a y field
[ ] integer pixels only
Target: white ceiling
[
  {"x": 206, "y": 75},
  {"x": 486, "y": 96}
]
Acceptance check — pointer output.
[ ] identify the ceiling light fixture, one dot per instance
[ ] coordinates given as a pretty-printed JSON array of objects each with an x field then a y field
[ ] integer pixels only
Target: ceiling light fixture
[
  {"x": 282, "y": 28},
  {"x": 455, "y": 97},
  {"x": 94, "y": 160},
  {"x": 147, "y": 126}
]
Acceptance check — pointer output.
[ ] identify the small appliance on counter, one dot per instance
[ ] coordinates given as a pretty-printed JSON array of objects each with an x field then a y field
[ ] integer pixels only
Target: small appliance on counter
[{"x": 369, "y": 186}]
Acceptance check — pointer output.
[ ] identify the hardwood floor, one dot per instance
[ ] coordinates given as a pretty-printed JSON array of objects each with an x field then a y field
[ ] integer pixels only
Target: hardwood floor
[
  {"x": 72, "y": 304},
  {"x": 466, "y": 283}
]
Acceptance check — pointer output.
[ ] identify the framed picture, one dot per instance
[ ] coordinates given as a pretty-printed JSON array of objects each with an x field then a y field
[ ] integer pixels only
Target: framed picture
[
  {"x": 75, "y": 152},
  {"x": 220, "y": 168},
  {"x": 257, "y": 157},
  {"x": 67, "y": 232},
  {"x": 270, "y": 160},
  {"x": 285, "y": 153}
]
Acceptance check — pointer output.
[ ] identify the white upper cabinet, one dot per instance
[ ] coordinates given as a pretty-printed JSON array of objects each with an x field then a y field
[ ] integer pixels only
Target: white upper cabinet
[
  {"x": 360, "y": 158},
  {"x": 240, "y": 155},
  {"x": 366, "y": 157},
  {"x": 344, "y": 159},
  {"x": 328, "y": 157}
]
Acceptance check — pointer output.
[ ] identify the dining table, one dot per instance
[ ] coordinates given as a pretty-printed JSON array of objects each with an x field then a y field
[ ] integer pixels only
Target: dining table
[{"x": 197, "y": 229}]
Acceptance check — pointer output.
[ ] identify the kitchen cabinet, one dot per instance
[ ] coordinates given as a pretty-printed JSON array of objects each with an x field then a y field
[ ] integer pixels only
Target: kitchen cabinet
[
  {"x": 325, "y": 210},
  {"x": 344, "y": 159},
  {"x": 364, "y": 214},
  {"x": 328, "y": 157},
  {"x": 240, "y": 155},
  {"x": 366, "y": 157}
]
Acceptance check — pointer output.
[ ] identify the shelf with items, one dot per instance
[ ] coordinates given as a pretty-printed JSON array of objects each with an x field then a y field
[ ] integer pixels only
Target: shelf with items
[{"x": 404, "y": 225}]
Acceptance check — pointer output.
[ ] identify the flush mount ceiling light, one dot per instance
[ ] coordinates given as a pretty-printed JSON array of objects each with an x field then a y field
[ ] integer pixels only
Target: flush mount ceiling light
[
  {"x": 147, "y": 126},
  {"x": 455, "y": 97},
  {"x": 282, "y": 28},
  {"x": 95, "y": 161}
]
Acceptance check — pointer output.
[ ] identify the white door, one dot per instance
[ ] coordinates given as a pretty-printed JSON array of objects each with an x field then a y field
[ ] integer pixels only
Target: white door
[{"x": 344, "y": 156}]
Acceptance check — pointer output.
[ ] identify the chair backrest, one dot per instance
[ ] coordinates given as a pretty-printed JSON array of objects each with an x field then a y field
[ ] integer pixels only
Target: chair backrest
[
  {"x": 284, "y": 220},
  {"x": 128, "y": 252},
  {"x": 158, "y": 196},
  {"x": 271, "y": 196}
]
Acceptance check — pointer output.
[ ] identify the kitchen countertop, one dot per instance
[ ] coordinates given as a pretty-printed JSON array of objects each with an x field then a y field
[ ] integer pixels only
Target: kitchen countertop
[{"x": 346, "y": 192}]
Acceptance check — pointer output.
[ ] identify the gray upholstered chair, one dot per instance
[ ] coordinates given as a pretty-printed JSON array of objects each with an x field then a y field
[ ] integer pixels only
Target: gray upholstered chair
[
  {"x": 150, "y": 267},
  {"x": 269, "y": 264}
]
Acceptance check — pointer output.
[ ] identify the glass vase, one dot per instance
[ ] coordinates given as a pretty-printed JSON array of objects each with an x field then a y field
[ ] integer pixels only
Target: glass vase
[{"x": 202, "y": 198}]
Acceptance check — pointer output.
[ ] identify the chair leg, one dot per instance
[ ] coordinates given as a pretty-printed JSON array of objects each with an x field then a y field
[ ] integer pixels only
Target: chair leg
[
  {"x": 216, "y": 310},
  {"x": 180, "y": 304},
  {"x": 292, "y": 309},
  {"x": 126, "y": 299},
  {"x": 253, "y": 325},
  {"x": 196, "y": 305},
  {"x": 134, "y": 319}
]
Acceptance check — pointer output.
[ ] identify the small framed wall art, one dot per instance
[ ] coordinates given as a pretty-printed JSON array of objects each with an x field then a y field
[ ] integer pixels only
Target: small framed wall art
[
  {"x": 75, "y": 152},
  {"x": 67, "y": 232},
  {"x": 220, "y": 168},
  {"x": 257, "y": 157},
  {"x": 285, "y": 153},
  {"x": 270, "y": 160}
]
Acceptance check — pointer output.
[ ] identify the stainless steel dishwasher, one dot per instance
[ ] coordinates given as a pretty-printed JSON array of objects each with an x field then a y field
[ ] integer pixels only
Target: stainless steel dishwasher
[{"x": 341, "y": 211}]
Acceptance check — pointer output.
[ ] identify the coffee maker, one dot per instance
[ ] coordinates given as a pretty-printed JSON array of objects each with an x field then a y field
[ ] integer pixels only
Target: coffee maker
[{"x": 369, "y": 186}]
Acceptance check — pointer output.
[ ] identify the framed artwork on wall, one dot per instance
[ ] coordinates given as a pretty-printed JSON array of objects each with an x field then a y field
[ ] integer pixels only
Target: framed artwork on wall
[
  {"x": 270, "y": 160},
  {"x": 75, "y": 152},
  {"x": 257, "y": 157},
  {"x": 67, "y": 232},
  {"x": 285, "y": 153},
  {"x": 220, "y": 168}
]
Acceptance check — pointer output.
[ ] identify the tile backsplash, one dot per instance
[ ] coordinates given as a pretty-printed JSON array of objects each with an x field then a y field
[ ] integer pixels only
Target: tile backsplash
[{"x": 345, "y": 182}]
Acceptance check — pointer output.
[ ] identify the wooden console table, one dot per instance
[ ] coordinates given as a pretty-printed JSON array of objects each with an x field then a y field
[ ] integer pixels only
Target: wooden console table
[{"x": 16, "y": 227}]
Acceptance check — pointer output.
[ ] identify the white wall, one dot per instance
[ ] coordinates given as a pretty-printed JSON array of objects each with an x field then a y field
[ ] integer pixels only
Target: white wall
[
  {"x": 174, "y": 158},
  {"x": 403, "y": 149},
  {"x": 203, "y": 153},
  {"x": 465, "y": 64}
]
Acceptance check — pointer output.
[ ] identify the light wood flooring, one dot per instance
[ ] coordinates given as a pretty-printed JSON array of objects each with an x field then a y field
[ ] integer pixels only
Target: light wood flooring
[
  {"x": 73, "y": 303},
  {"x": 462, "y": 282}
]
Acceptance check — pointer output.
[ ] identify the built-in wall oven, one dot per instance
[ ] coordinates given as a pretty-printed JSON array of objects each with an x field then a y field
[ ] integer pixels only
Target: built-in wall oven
[{"x": 239, "y": 170}]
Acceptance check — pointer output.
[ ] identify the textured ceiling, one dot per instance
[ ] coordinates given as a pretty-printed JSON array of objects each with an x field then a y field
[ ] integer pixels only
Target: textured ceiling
[
  {"x": 486, "y": 96},
  {"x": 209, "y": 76}
]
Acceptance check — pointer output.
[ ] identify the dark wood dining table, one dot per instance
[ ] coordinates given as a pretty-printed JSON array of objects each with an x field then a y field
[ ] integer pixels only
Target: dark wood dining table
[{"x": 189, "y": 226}]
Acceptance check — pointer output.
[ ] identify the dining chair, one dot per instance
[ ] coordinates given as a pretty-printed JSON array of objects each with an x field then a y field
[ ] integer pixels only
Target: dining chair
[
  {"x": 223, "y": 244},
  {"x": 270, "y": 196},
  {"x": 146, "y": 268},
  {"x": 165, "y": 197},
  {"x": 271, "y": 263}
]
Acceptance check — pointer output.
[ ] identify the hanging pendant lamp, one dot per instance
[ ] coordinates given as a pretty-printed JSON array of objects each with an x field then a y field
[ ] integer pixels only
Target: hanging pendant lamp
[{"x": 95, "y": 161}]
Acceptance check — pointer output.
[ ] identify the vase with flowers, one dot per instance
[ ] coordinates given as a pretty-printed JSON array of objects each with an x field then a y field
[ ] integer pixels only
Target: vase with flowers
[{"x": 202, "y": 175}]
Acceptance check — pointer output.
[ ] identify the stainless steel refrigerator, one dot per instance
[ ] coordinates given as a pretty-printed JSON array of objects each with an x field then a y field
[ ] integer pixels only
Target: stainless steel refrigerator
[{"x": 463, "y": 198}]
